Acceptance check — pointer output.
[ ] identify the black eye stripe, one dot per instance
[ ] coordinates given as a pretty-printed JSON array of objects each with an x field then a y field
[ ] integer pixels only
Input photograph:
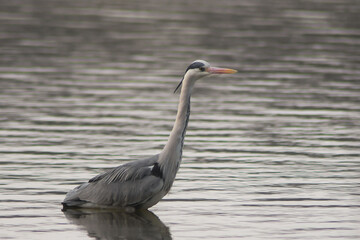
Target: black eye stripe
[
  {"x": 192, "y": 66},
  {"x": 195, "y": 65}
]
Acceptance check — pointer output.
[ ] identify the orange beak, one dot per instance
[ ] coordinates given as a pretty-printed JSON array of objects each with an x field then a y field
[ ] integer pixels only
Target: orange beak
[{"x": 215, "y": 70}]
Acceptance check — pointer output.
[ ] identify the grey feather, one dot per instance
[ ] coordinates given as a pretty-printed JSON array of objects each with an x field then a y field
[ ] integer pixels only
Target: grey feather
[
  {"x": 131, "y": 184},
  {"x": 127, "y": 172}
]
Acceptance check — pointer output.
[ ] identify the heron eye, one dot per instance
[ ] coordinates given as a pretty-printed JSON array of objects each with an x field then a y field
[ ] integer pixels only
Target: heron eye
[{"x": 202, "y": 69}]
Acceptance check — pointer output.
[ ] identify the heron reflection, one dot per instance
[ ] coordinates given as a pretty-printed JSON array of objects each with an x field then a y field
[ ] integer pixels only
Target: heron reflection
[{"x": 110, "y": 224}]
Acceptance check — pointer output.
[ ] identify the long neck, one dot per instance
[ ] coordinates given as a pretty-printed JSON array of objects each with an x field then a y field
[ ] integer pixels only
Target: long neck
[
  {"x": 176, "y": 138},
  {"x": 171, "y": 155}
]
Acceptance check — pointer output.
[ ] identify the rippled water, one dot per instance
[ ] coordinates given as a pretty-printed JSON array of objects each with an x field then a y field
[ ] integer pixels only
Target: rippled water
[{"x": 271, "y": 153}]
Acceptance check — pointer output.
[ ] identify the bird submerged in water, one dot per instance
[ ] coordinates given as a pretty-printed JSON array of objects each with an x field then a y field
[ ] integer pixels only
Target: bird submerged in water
[{"x": 143, "y": 183}]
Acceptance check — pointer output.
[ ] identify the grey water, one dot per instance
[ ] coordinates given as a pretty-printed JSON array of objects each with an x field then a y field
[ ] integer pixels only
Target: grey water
[{"x": 272, "y": 152}]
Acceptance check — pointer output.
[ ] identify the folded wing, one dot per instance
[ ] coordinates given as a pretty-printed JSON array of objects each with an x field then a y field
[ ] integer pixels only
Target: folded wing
[{"x": 131, "y": 184}]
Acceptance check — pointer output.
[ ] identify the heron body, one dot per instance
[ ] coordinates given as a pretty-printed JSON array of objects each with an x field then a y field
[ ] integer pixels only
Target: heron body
[{"x": 143, "y": 183}]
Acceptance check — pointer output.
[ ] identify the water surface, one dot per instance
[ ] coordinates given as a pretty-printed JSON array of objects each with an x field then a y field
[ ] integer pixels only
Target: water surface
[{"x": 270, "y": 153}]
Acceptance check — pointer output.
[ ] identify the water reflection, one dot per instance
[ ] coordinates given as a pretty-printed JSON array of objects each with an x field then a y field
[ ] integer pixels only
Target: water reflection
[{"x": 113, "y": 224}]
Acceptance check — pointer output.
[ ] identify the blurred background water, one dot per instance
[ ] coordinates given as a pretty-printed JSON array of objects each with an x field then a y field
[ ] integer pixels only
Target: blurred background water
[{"x": 271, "y": 153}]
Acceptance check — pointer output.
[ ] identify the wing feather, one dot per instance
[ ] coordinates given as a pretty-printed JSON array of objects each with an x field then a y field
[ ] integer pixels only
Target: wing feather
[
  {"x": 130, "y": 184},
  {"x": 128, "y": 171}
]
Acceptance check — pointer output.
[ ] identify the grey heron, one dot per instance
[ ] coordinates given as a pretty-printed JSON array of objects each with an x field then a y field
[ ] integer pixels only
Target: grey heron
[{"x": 143, "y": 183}]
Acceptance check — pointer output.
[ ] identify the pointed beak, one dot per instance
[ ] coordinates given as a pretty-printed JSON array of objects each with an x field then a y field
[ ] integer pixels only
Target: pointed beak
[{"x": 215, "y": 70}]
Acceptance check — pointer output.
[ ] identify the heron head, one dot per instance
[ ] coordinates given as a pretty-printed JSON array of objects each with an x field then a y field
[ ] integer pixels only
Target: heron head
[{"x": 200, "y": 68}]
